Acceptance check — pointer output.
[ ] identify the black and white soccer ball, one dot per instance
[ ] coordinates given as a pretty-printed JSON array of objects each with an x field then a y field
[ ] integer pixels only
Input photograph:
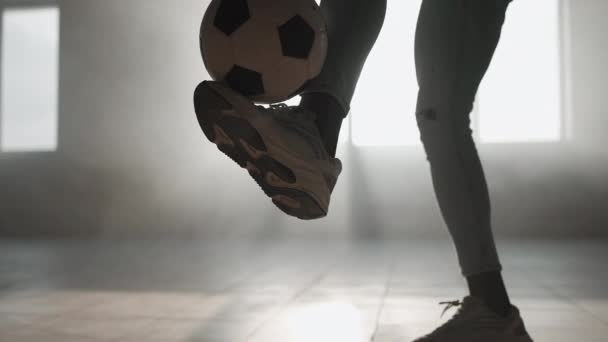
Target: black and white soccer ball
[{"x": 264, "y": 49}]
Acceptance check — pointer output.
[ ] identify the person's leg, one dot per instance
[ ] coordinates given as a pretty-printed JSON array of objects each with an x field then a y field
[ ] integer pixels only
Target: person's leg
[
  {"x": 455, "y": 42},
  {"x": 297, "y": 168},
  {"x": 352, "y": 27}
]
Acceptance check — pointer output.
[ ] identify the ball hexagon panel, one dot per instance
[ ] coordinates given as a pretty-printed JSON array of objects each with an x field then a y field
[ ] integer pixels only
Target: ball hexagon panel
[
  {"x": 277, "y": 86},
  {"x": 318, "y": 54},
  {"x": 256, "y": 46},
  {"x": 245, "y": 81},
  {"x": 297, "y": 37},
  {"x": 230, "y": 15}
]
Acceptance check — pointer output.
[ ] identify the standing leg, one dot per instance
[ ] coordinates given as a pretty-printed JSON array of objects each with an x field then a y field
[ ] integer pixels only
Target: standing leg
[
  {"x": 455, "y": 42},
  {"x": 353, "y": 27}
]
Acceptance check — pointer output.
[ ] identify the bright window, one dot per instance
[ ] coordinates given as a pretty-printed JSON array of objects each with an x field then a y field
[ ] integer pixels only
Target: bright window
[
  {"x": 383, "y": 108},
  {"x": 518, "y": 101},
  {"x": 30, "y": 49}
]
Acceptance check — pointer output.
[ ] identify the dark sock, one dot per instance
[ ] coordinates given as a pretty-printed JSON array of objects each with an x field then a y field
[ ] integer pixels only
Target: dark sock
[
  {"x": 329, "y": 118},
  {"x": 490, "y": 287}
]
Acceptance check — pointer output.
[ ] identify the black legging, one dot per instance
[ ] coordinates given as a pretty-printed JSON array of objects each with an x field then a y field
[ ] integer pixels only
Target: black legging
[{"x": 455, "y": 42}]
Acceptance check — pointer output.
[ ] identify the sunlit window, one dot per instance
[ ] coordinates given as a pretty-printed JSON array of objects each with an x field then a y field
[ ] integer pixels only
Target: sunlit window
[
  {"x": 518, "y": 101},
  {"x": 383, "y": 109},
  {"x": 30, "y": 43}
]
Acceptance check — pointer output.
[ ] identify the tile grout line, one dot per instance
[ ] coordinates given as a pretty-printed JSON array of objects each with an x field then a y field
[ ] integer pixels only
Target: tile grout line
[
  {"x": 294, "y": 297},
  {"x": 387, "y": 287}
]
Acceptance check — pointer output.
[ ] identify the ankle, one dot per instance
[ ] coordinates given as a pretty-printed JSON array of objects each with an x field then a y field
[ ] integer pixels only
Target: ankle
[
  {"x": 322, "y": 102},
  {"x": 490, "y": 288},
  {"x": 329, "y": 118}
]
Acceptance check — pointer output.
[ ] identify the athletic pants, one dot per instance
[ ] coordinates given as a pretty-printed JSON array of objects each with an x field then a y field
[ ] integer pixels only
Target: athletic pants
[{"x": 454, "y": 44}]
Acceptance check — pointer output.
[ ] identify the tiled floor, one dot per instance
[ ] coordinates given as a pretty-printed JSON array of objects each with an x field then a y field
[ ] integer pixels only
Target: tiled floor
[{"x": 311, "y": 291}]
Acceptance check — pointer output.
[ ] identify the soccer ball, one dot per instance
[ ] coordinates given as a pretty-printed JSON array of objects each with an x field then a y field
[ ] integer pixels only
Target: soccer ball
[{"x": 264, "y": 49}]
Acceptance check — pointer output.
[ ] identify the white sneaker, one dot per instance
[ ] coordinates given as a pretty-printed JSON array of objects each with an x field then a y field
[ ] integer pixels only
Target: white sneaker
[
  {"x": 280, "y": 146},
  {"x": 475, "y": 322}
]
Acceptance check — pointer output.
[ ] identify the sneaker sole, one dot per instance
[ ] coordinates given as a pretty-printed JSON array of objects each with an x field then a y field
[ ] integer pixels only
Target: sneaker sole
[{"x": 241, "y": 142}]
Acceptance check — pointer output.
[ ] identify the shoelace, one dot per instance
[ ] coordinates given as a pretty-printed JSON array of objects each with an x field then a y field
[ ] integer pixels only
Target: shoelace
[
  {"x": 298, "y": 119},
  {"x": 449, "y": 305},
  {"x": 446, "y": 325},
  {"x": 283, "y": 111},
  {"x": 276, "y": 107},
  {"x": 273, "y": 105}
]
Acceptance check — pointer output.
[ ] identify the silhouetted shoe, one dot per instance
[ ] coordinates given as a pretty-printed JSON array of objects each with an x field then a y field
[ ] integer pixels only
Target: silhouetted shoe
[
  {"x": 475, "y": 322},
  {"x": 280, "y": 146}
]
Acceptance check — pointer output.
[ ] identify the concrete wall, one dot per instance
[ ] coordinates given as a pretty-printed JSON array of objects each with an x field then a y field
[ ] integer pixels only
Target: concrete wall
[{"x": 132, "y": 160}]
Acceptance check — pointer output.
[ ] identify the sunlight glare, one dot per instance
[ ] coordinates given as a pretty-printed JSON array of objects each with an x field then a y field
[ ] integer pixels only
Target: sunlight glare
[{"x": 325, "y": 322}]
